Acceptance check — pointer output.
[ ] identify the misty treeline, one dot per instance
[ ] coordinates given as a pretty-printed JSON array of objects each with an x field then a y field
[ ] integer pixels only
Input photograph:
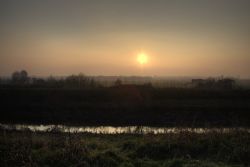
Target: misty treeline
[{"x": 22, "y": 78}]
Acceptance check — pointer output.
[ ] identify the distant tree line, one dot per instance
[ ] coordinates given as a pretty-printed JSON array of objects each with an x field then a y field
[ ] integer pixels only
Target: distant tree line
[{"x": 21, "y": 78}]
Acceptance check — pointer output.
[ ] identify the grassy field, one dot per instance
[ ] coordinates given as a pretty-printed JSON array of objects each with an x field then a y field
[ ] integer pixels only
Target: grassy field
[
  {"x": 127, "y": 105},
  {"x": 169, "y": 150}
]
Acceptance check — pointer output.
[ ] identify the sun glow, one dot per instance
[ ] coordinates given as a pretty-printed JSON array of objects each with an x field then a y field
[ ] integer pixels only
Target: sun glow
[{"x": 142, "y": 58}]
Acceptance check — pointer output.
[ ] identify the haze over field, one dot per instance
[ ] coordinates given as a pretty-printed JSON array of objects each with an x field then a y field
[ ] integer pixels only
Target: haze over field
[{"x": 108, "y": 37}]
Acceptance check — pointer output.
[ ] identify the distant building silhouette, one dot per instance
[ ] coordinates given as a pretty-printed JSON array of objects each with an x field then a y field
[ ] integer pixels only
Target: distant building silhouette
[{"x": 211, "y": 83}]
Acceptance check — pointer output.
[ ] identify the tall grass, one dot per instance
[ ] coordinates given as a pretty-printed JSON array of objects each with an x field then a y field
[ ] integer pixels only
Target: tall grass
[{"x": 184, "y": 149}]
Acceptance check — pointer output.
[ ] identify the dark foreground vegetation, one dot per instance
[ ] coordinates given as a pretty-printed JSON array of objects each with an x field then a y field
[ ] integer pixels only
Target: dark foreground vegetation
[
  {"x": 124, "y": 150},
  {"x": 126, "y": 105}
]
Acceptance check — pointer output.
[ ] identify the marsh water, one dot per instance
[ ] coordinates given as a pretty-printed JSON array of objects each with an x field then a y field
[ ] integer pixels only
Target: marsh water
[{"x": 116, "y": 130}]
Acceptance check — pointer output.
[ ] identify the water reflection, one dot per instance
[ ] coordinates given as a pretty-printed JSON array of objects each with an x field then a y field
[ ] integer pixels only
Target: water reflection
[{"x": 116, "y": 130}]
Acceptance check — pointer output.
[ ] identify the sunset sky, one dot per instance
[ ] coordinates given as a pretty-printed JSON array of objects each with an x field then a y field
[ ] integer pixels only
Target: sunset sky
[{"x": 105, "y": 37}]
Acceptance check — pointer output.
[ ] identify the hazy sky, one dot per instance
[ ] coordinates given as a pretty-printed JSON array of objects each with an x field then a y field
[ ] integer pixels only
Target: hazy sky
[{"x": 104, "y": 37}]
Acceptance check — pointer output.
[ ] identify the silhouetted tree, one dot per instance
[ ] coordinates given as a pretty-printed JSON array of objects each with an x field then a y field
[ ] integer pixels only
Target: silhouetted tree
[
  {"x": 52, "y": 82},
  {"x": 20, "y": 77},
  {"x": 118, "y": 82},
  {"x": 38, "y": 81},
  {"x": 92, "y": 83},
  {"x": 76, "y": 81}
]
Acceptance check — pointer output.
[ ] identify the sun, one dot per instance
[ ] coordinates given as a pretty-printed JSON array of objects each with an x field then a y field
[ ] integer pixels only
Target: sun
[{"x": 142, "y": 58}]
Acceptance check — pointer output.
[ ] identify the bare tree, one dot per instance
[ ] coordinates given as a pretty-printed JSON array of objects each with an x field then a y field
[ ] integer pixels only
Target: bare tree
[{"x": 20, "y": 77}]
